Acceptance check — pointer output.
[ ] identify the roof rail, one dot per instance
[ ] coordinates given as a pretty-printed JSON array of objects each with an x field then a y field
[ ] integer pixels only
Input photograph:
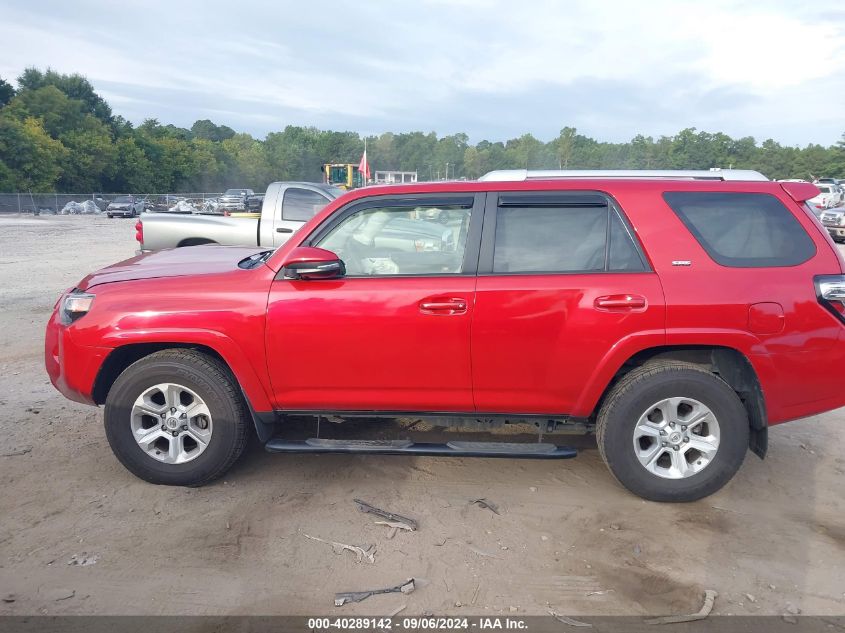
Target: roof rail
[{"x": 506, "y": 175}]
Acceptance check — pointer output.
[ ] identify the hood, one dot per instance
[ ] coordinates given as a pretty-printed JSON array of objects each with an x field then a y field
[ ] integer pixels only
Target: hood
[{"x": 176, "y": 262}]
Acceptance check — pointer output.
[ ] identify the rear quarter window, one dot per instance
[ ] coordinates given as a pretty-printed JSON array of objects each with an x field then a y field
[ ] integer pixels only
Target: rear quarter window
[{"x": 743, "y": 230}]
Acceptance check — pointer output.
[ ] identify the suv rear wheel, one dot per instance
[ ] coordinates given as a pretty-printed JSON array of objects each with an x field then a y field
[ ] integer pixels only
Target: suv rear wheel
[
  {"x": 672, "y": 431},
  {"x": 176, "y": 417}
]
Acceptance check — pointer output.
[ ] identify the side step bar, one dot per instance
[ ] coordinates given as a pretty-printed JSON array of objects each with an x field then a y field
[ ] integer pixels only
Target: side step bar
[{"x": 521, "y": 450}]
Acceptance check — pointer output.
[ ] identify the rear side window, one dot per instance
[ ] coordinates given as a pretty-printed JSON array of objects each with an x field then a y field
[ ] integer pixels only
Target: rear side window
[
  {"x": 743, "y": 230},
  {"x": 301, "y": 204},
  {"x": 534, "y": 235}
]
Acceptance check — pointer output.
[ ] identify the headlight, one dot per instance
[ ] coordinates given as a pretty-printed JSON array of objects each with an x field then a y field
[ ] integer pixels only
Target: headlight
[{"x": 75, "y": 304}]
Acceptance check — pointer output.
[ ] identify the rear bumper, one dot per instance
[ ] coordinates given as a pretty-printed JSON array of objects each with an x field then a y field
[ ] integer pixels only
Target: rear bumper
[{"x": 72, "y": 368}]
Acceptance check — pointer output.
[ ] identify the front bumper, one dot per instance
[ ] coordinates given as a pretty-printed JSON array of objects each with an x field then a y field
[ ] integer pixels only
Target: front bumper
[
  {"x": 836, "y": 231},
  {"x": 72, "y": 368}
]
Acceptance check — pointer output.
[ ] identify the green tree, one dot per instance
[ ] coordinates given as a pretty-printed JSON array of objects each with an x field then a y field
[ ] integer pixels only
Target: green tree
[
  {"x": 6, "y": 92},
  {"x": 208, "y": 131},
  {"x": 30, "y": 159},
  {"x": 74, "y": 86}
]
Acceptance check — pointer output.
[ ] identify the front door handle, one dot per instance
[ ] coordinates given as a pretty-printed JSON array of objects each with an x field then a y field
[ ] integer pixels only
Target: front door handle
[
  {"x": 283, "y": 229},
  {"x": 620, "y": 303},
  {"x": 443, "y": 305}
]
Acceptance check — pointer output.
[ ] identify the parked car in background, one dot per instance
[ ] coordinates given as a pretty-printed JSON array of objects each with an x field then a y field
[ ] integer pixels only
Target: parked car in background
[
  {"x": 287, "y": 206},
  {"x": 126, "y": 207},
  {"x": 829, "y": 196},
  {"x": 834, "y": 221},
  {"x": 558, "y": 305},
  {"x": 235, "y": 200}
]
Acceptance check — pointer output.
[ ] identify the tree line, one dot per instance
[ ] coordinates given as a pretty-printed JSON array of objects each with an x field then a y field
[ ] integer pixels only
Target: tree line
[{"x": 57, "y": 134}]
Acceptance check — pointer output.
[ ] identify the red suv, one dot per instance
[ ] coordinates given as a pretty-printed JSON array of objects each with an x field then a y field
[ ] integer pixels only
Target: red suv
[{"x": 677, "y": 315}]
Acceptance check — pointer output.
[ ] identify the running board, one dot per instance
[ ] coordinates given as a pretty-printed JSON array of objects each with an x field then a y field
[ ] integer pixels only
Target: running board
[{"x": 517, "y": 450}]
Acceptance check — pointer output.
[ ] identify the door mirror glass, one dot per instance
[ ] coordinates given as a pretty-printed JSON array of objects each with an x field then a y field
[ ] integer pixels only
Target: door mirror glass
[{"x": 307, "y": 263}]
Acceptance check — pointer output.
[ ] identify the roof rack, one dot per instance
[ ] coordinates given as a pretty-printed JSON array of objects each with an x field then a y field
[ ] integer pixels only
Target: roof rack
[{"x": 512, "y": 175}]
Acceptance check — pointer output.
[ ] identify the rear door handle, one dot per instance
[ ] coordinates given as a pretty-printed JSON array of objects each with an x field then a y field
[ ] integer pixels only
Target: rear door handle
[
  {"x": 443, "y": 305},
  {"x": 620, "y": 303}
]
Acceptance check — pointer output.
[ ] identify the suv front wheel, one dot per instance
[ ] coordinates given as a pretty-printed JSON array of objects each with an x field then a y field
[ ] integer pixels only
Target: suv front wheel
[
  {"x": 672, "y": 431},
  {"x": 176, "y": 417}
]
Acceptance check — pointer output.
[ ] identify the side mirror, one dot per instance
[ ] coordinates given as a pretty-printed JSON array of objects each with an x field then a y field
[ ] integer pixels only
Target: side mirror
[{"x": 307, "y": 263}]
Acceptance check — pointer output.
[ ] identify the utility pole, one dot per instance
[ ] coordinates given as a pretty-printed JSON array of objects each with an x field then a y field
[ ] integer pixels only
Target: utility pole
[{"x": 447, "y": 172}]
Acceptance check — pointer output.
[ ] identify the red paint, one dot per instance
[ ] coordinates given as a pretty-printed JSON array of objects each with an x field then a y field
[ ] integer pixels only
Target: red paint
[
  {"x": 546, "y": 344},
  {"x": 766, "y": 318},
  {"x": 800, "y": 191}
]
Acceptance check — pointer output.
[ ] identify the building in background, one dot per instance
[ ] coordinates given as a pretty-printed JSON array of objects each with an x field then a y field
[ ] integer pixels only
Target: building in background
[{"x": 395, "y": 177}]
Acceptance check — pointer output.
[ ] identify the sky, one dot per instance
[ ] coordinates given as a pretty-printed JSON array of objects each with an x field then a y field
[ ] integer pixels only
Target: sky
[{"x": 494, "y": 69}]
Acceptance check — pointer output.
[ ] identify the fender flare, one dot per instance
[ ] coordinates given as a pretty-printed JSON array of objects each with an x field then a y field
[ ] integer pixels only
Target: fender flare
[{"x": 255, "y": 391}]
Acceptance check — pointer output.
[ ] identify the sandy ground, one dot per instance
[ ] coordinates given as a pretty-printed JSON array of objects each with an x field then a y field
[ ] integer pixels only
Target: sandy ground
[{"x": 79, "y": 534}]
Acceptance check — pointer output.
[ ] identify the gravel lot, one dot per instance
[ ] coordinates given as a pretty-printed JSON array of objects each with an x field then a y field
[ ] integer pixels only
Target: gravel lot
[{"x": 80, "y": 535}]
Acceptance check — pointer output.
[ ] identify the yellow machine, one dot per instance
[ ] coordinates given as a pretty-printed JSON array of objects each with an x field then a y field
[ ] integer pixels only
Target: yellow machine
[{"x": 343, "y": 175}]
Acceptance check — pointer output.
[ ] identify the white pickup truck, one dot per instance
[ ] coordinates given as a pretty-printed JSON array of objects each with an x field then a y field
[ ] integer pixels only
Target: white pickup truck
[{"x": 287, "y": 206}]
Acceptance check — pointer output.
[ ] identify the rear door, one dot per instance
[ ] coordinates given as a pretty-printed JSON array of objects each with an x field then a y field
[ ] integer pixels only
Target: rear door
[
  {"x": 562, "y": 280},
  {"x": 298, "y": 205}
]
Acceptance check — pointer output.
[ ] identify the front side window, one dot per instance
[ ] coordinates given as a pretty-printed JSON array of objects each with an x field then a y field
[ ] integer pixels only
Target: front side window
[
  {"x": 301, "y": 205},
  {"x": 423, "y": 240},
  {"x": 743, "y": 230},
  {"x": 563, "y": 238}
]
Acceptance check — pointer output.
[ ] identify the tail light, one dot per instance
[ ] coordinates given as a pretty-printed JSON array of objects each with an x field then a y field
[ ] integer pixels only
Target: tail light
[
  {"x": 226, "y": 214},
  {"x": 139, "y": 232},
  {"x": 830, "y": 290}
]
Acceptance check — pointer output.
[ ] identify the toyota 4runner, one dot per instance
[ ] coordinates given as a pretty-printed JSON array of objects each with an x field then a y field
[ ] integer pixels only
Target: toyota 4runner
[{"x": 675, "y": 315}]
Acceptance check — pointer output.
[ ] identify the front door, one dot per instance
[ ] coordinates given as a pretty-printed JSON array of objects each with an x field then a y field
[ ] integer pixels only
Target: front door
[
  {"x": 394, "y": 333},
  {"x": 561, "y": 282}
]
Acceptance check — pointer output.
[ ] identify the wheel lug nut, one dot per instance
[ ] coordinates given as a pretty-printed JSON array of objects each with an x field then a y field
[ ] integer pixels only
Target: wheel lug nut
[
  {"x": 683, "y": 428},
  {"x": 163, "y": 427},
  {"x": 675, "y": 447},
  {"x": 663, "y": 444},
  {"x": 172, "y": 409},
  {"x": 183, "y": 416},
  {"x": 184, "y": 427},
  {"x": 662, "y": 432},
  {"x": 175, "y": 433}
]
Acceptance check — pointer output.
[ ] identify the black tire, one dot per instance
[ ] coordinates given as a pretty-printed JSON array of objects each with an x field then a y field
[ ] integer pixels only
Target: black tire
[
  {"x": 212, "y": 381},
  {"x": 109, "y": 216},
  {"x": 643, "y": 387}
]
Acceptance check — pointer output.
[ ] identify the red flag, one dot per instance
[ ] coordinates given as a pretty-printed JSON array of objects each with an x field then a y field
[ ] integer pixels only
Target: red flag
[{"x": 364, "y": 167}]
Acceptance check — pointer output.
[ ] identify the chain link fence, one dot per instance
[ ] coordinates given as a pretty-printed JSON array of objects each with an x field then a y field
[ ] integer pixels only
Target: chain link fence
[{"x": 58, "y": 203}]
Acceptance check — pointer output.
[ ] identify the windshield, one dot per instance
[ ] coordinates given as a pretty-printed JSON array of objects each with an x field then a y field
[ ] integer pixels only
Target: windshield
[
  {"x": 235, "y": 192},
  {"x": 824, "y": 189},
  {"x": 123, "y": 199}
]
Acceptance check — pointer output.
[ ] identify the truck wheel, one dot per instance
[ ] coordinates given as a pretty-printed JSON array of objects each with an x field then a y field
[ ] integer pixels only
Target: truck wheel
[
  {"x": 176, "y": 417},
  {"x": 672, "y": 431}
]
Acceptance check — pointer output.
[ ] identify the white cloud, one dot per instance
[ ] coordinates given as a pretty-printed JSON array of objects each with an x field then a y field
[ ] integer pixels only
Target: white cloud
[{"x": 612, "y": 67}]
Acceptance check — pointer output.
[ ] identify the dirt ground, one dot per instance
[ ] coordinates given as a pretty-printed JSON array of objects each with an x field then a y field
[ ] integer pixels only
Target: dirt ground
[{"x": 80, "y": 535}]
